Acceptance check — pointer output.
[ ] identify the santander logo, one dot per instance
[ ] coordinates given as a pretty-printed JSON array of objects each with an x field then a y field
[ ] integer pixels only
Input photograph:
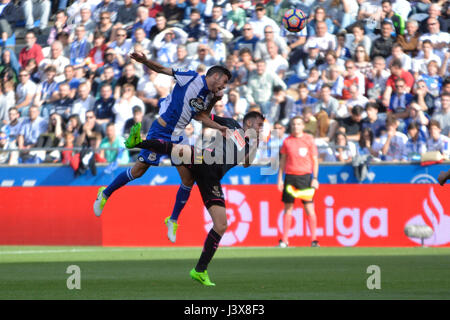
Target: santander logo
[{"x": 433, "y": 214}]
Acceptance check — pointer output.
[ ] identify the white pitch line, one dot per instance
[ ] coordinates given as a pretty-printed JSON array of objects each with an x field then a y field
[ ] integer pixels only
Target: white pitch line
[
  {"x": 80, "y": 250},
  {"x": 106, "y": 249}
]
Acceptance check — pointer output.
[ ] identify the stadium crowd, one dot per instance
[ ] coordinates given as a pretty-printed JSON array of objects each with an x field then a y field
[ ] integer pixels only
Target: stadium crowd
[{"x": 370, "y": 78}]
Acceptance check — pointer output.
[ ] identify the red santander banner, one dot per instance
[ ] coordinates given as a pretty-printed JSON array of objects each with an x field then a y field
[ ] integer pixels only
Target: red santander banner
[{"x": 347, "y": 215}]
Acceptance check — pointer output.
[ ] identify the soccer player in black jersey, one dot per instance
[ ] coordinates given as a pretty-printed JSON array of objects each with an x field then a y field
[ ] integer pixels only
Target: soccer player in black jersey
[{"x": 208, "y": 164}]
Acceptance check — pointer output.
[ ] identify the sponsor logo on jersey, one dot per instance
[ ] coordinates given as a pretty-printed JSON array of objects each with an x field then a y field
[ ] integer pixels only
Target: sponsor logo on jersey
[{"x": 197, "y": 104}]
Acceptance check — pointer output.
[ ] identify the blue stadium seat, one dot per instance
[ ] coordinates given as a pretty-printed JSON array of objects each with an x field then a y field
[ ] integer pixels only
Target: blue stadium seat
[
  {"x": 11, "y": 41},
  {"x": 21, "y": 23}
]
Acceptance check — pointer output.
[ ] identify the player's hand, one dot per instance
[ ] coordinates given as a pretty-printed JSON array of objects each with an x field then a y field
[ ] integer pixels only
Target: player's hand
[
  {"x": 280, "y": 186},
  {"x": 138, "y": 56},
  {"x": 315, "y": 184}
]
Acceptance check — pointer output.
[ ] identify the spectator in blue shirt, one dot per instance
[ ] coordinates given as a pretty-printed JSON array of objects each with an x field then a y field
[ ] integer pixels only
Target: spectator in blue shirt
[
  {"x": 432, "y": 79},
  {"x": 195, "y": 28},
  {"x": 247, "y": 40},
  {"x": 400, "y": 100},
  {"x": 80, "y": 47},
  {"x": 104, "y": 105},
  {"x": 194, "y": 5},
  {"x": 305, "y": 100},
  {"x": 143, "y": 21},
  {"x": 31, "y": 128}
]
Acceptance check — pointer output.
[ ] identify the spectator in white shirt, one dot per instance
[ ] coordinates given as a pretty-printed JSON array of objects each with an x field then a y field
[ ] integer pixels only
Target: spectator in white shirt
[
  {"x": 25, "y": 92},
  {"x": 85, "y": 101},
  {"x": 203, "y": 57},
  {"x": 260, "y": 21},
  {"x": 166, "y": 42},
  {"x": 356, "y": 98},
  {"x": 57, "y": 59},
  {"x": 439, "y": 39},
  {"x": 323, "y": 39},
  {"x": 392, "y": 144},
  {"x": 261, "y": 46},
  {"x": 123, "y": 108},
  {"x": 183, "y": 61},
  {"x": 397, "y": 53},
  {"x": 141, "y": 38},
  {"x": 151, "y": 88},
  {"x": 420, "y": 63},
  {"x": 275, "y": 61},
  {"x": 437, "y": 141},
  {"x": 122, "y": 45}
]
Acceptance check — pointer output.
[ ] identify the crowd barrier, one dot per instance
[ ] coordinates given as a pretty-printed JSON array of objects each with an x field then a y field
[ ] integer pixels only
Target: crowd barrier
[{"x": 47, "y": 205}]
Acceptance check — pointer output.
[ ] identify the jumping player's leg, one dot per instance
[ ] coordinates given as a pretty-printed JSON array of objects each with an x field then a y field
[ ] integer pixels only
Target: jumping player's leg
[
  {"x": 443, "y": 177},
  {"x": 138, "y": 169},
  {"x": 219, "y": 217},
  {"x": 187, "y": 181},
  {"x": 183, "y": 153},
  {"x": 208, "y": 182},
  {"x": 183, "y": 194}
]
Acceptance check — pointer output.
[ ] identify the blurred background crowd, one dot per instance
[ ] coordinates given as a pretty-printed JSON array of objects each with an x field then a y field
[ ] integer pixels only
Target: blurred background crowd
[{"x": 370, "y": 78}]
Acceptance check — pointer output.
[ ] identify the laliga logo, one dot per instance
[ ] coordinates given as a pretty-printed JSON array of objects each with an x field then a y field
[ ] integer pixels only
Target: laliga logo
[
  {"x": 439, "y": 221},
  {"x": 238, "y": 213}
]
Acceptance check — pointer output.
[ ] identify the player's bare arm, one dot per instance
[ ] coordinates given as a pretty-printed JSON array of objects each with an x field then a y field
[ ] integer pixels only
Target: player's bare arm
[
  {"x": 250, "y": 156},
  {"x": 207, "y": 122},
  {"x": 204, "y": 115},
  {"x": 152, "y": 65}
]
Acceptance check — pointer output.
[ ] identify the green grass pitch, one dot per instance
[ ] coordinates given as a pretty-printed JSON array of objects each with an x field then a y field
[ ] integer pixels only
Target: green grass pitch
[{"x": 239, "y": 273}]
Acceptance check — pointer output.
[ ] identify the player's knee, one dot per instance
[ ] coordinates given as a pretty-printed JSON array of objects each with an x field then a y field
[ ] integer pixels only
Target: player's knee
[
  {"x": 137, "y": 172},
  {"x": 187, "y": 181},
  {"x": 221, "y": 227}
]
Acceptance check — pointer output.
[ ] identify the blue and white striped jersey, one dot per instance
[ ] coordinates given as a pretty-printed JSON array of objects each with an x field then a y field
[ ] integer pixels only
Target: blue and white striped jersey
[{"x": 188, "y": 97}]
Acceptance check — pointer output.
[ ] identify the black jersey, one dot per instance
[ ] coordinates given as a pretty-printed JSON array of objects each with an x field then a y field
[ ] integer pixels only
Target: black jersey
[{"x": 222, "y": 153}]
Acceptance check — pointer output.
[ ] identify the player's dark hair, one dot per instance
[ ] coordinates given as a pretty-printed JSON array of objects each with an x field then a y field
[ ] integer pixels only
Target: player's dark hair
[
  {"x": 220, "y": 70},
  {"x": 253, "y": 115}
]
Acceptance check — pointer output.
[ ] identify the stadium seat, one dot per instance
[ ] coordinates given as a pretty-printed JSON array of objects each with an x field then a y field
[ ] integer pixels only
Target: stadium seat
[{"x": 11, "y": 41}]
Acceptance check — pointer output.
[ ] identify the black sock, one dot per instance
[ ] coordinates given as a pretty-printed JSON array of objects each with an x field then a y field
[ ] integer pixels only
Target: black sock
[
  {"x": 156, "y": 145},
  {"x": 209, "y": 248}
]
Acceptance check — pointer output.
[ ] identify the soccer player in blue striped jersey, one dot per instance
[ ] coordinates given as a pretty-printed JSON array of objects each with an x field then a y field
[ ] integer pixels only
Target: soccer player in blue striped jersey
[{"x": 192, "y": 97}]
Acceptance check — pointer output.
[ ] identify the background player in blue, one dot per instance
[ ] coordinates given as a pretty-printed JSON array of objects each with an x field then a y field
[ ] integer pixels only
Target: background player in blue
[
  {"x": 208, "y": 175},
  {"x": 192, "y": 98}
]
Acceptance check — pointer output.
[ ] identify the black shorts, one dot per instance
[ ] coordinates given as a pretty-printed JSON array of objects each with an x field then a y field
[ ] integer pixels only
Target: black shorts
[
  {"x": 299, "y": 182},
  {"x": 208, "y": 179}
]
